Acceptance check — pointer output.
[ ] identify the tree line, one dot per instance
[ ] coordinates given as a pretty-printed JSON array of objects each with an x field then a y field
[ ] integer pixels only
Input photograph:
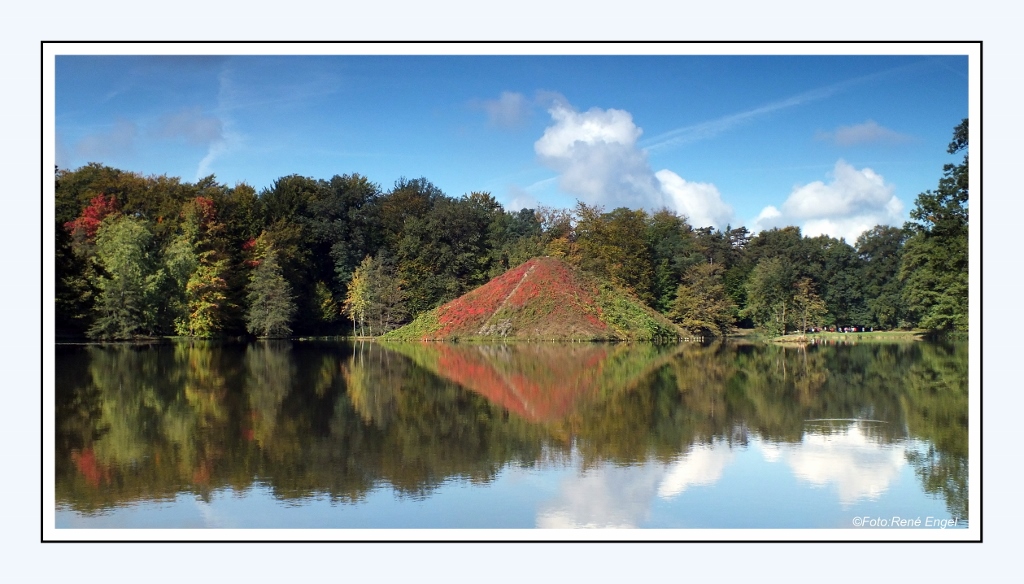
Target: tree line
[{"x": 150, "y": 256}]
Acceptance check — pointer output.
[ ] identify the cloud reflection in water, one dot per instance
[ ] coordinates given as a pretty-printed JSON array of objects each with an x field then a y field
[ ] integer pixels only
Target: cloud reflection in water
[{"x": 848, "y": 457}]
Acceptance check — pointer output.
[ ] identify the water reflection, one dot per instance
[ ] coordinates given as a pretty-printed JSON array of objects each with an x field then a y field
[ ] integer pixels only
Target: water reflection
[
  {"x": 701, "y": 466},
  {"x": 852, "y": 457},
  {"x": 641, "y": 426},
  {"x": 606, "y": 497}
]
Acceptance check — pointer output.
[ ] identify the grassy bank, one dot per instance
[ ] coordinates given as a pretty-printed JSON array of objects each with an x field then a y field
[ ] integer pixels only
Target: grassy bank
[{"x": 869, "y": 337}]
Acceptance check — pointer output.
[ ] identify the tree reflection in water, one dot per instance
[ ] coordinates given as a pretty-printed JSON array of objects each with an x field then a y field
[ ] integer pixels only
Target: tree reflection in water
[{"x": 148, "y": 422}]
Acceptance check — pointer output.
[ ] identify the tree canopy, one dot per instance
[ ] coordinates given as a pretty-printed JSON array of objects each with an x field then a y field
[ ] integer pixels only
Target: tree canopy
[{"x": 156, "y": 255}]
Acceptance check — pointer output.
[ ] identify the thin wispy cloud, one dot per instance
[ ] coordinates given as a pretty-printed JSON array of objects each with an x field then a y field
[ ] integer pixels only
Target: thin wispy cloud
[
  {"x": 191, "y": 125},
  {"x": 242, "y": 89},
  {"x": 521, "y": 199},
  {"x": 510, "y": 110},
  {"x": 712, "y": 128},
  {"x": 227, "y": 138},
  {"x": 513, "y": 109},
  {"x": 869, "y": 132},
  {"x": 252, "y": 92},
  {"x": 119, "y": 139},
  {"x": 544, "y": 183},
  {"x": 215, "y": 151}
]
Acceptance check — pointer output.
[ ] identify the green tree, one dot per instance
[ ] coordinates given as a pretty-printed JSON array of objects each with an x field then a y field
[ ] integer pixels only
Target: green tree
[
  {"x": 205, "y": 292},
  {"x": 881, "y": 250},
  {"x": 514, "y": 238},
  {"x": 357, "y": 301},
  {"x": 785, "y": 243},
  {"x": 836, "y": 271},
  {"x": 612, "y": 245},
  {"x": 770, "y": 295},
  {"x": 239, "y": 209},
  {"x": 330, "y": 312},
  {"x": 342, "y": 226},
  {"x": 77, "y": 188},
  {"x": 198, "y": 266},
  {"x": 558, "y": 235},
  {"x": 376, "y": 300},
  {"x": 128, "y": 280},
  {"x": 355, "y": 221},
  {"x": 447, "y": 251},
  {"x": 670, "y": 240},
  {"x": 406, "y": 200},
  {"x": 701, "y": 305},
  {"x": 808, "y": 307},
  {"x": 74, "y": 290},
  {"x": 388, "y": 309},
  {"x": 271, "y": 306},
  {"x": 935, "y": 262}
]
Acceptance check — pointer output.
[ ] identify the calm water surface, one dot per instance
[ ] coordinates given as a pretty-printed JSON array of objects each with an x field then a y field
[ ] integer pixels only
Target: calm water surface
[{"x": 342, "y": 435}]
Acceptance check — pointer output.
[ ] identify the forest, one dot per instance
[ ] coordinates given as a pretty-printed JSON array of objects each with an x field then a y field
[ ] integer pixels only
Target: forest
[{"x": 149, "y": 256}]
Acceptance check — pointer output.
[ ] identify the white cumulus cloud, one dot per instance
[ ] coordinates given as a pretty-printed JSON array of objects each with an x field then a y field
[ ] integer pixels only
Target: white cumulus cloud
[
  {"x": 700, "y": 202},
  {"x": 852, "y": 202},
  {"x": 598, "y": 160},
  {"x": 596, "y": 156}
]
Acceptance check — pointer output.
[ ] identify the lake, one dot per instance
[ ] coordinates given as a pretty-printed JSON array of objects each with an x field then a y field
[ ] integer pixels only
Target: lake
[{"x": 318, "y": 434}]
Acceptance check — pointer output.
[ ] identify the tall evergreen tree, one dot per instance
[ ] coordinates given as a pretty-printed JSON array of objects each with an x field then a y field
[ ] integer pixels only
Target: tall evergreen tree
[{"x": 271, "y": 306}]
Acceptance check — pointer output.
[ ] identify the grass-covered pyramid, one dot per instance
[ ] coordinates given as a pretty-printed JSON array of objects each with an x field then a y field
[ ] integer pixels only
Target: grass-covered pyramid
[{"x": 543, "y": 299}]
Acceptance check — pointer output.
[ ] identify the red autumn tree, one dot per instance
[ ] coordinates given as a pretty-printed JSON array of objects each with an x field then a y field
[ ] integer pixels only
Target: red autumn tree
[{"x": 88, "y": 223}]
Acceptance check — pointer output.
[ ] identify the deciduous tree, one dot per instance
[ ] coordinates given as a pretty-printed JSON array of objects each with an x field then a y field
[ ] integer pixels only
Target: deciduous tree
[
  {"x": 198, "y": 266},
  {"x": 808, "y": 307},
  {"x": 881, "y": 250},
  {"x": 612, "y": 245},
  {"x": 770, "y": 295},
  {"x": 128, "y": 280},
  {"x": 376, "y": 299},
  {"x": 702, "y": 305}
]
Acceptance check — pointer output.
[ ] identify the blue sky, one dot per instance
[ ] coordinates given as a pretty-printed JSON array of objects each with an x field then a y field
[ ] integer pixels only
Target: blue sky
[{"x": 833, "y": 144}]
